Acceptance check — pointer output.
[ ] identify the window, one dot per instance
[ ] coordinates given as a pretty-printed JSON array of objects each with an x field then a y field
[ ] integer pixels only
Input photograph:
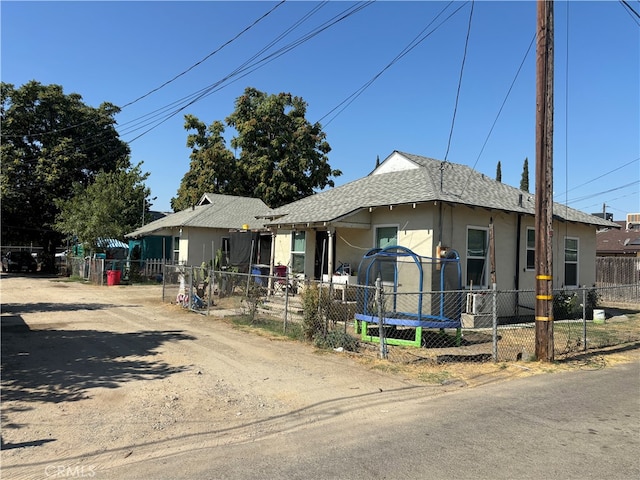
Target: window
[
  {"x": 531, "y": 249},
  {"x": 298, "y": 246},
  {"x": 176, "y": 250},
  {"x": 477, "y": 241},
  {"x": 570, "y": 262},
  {"x": 386, "y": 236}
]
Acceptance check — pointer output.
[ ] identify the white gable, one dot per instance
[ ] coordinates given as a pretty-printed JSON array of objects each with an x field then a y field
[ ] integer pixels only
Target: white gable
[{"x": 395, "y": 163}]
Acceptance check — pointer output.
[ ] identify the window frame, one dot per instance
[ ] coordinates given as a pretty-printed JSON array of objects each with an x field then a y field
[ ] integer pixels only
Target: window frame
[
  {"x": 485, "y": 264},
  {"x": 575, "y": 262},
  {"x": 296, "y": 255},
  {"x": 530, "y": 249},
  {"x": 176, "y": 250},
  {"x": 388, "y": 270}
]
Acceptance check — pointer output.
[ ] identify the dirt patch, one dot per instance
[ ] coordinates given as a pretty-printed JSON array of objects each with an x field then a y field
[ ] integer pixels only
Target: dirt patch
[{"x": 97, "y": 377}]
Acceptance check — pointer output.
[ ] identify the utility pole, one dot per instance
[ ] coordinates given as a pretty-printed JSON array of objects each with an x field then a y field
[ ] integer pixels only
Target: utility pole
[{"x": 544, "y": 182}]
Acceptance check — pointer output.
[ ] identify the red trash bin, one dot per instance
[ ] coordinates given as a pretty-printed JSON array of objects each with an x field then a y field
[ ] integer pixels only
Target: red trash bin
[{"x": 113, "y": 277}]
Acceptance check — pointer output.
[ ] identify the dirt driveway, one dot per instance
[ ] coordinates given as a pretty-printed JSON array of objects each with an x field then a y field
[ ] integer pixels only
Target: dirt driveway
[{"x": 96, "y": 377}]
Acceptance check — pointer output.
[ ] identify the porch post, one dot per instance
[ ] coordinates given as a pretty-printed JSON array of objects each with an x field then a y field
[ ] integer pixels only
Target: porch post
[
  {"x": 330, "y": 248},
  {"x": 272, "y": 262}
]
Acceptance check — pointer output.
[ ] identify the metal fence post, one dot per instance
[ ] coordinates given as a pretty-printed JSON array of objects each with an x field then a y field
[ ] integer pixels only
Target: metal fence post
[
  {"x": 381, "y": 332},
  {"x": 286, "y": 299},
  {"x": 189, "y": 274},
  {"x": 494, "y": 322},
  {"x": 584, "y": 319}
]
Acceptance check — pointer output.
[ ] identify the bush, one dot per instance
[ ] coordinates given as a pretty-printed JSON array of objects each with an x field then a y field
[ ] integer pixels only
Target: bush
[
  {"x": 315, "y": 303},
  {"x": 568, "y": 305},
  {"x": 337, "y": 339}
]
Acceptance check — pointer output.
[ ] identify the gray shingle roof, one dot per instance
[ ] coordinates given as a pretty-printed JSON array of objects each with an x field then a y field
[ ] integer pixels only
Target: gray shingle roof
[
  {"x": 224, "y": 211},
  {"x": 460, "y": 185}
]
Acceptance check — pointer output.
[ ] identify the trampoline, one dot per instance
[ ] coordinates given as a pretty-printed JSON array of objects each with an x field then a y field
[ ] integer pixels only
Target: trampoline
[{"x": 419, "y": 292}]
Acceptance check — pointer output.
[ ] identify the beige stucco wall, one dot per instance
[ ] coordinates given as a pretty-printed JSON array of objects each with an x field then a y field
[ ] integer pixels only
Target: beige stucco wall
[
  {"x": 199, "y": 245},
  {"x": 418, "y": 231},
  {"x": 586, "y": 236}
]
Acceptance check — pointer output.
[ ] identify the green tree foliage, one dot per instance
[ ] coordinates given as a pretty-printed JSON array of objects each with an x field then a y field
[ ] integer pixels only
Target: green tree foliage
[
  {"x": 212, "y": 167},
  {"x": 50, "y": 142},
  {"x": 110, "y": 207},
  {"x": 499, "y": 172},
  {"x": 524, "y": 180},
  {"x": 282, "y": 157}
]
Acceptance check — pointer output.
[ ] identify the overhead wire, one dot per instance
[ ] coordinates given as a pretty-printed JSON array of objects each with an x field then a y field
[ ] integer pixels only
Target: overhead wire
[
  {"x": 178, "y": 105},
  {"x": 504, "y": 102},
  {"x": 417, "y": 40},
  {"x": 566, "y": 120},
  {"x": 228, "y": 42},
  {"x": 247, "y": 68},
  {"x": 595, "y": 194},
  {"x": 600, "y": 176},
  {"x": 635, "y": 16},
  {"x": 464, "y": 58},
  {"x": 634, "y": 193}
]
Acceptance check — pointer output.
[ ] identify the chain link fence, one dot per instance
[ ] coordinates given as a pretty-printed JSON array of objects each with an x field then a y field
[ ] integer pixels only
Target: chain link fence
[
  {"x": 461, "y": 326},
  {"x": 380, "y": 321}
]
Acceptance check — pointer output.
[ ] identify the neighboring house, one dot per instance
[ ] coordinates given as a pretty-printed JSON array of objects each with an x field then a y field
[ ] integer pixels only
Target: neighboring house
[
  {"x": 619, "y": 242},
  {"x": 194, "y": 235},
  {"x": 430, "y": 206}
]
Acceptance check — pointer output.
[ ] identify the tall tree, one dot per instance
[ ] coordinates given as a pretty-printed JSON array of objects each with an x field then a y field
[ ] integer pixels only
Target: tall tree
[
  {"x": 499, "y": 172},
  {"x": 109, "y": 207},
  {"x": 524, "y": 180},
  {"x": 283, "y": 157},
  {"x": 212, "y": 168},
  {"x": 50, "y": 141}
]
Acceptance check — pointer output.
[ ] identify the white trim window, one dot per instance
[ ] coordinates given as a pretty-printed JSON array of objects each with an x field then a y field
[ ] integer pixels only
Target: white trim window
[
  {"x": 531, "y": 248},
  {"x": 477, "y": 248},
  {"x": 176, "y": 250},
  {"x": 298, "y": 248},
  {"x": 571, "y": 247}
]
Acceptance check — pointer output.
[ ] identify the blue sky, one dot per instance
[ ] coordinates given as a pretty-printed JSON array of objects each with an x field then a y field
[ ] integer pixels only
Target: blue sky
[{"x": 120, "y": 51}]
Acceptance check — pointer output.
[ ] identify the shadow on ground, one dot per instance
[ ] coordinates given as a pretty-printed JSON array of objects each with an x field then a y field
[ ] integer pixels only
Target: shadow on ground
[
  {"x": 62, "y": 365},
  {"x": 38, "y": 307}
]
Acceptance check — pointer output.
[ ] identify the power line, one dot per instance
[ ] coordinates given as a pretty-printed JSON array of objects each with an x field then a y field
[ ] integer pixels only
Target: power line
[
  {"x": 632, "y": 13},
  {"x": 635, "y": 193},
  {"x": 413, "y": 44},
  {"x": 599, "y": 177},
  {"x": 495, "y": 121},
  {"x": 157, "y": 117},
  {"x": 464, "y": 57},
  {"x": 247, "y": 67},
  {"x": 228, "y": 42},
  {"x": 615, "y": 189}
]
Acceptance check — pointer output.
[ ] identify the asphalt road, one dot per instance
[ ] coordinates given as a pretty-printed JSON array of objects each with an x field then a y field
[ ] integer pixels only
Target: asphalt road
[{"x": 581, "y": 424}]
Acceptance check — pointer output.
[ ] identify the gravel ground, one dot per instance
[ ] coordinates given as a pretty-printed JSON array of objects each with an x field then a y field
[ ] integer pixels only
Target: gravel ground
[{"x": 95, "y": 378}]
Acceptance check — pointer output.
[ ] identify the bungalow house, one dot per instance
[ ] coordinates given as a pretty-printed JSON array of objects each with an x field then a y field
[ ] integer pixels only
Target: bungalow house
[
  {"x": 430, "y": 206},
  {"x": 194, "y": 235}
]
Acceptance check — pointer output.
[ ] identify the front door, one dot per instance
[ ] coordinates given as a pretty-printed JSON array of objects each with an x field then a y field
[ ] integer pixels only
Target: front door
[{"x": 321, "y": 265}]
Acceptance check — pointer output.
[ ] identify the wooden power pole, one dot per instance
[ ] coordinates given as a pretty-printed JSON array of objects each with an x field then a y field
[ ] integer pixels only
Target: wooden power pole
[{"x": 544, "y": 182}]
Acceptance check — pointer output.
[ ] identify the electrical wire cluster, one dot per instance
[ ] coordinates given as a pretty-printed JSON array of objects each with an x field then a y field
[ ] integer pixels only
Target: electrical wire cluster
[{"x": 141, "y": 125}]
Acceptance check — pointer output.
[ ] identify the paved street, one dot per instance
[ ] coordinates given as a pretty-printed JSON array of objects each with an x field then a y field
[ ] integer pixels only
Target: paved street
[{"x": 582, "y": 425}]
